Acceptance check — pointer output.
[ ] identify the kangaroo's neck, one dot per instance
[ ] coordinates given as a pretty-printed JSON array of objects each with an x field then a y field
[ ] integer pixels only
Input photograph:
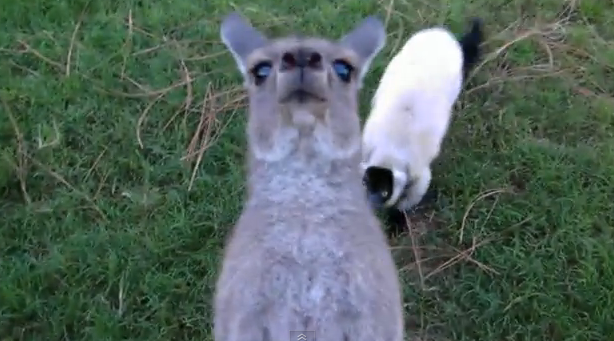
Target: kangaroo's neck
[
  {"x": 293, "y": 159},
  {"x": 297, "y": 177}
]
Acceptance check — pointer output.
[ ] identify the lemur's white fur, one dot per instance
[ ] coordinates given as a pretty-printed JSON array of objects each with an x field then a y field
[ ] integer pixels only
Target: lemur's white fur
[{"x": 411, "y": 111}]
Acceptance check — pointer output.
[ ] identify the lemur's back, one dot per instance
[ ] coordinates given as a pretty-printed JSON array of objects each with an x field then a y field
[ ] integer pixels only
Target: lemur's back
[
  {"x": 427, "y": 70},
  {"x": 433, "y": 51},
  {"x": 308, "y": 253},
  {"x": 412, "y": 105}
]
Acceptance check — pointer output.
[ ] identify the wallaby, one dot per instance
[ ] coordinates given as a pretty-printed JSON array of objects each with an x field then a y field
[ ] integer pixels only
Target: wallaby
[
  {"x": 410, "y": 114},
  {"x": 307, "y": 252}
]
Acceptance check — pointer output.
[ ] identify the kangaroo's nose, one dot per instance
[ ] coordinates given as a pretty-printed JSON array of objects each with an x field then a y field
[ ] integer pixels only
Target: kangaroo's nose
[{"x": 302, "y": 58}]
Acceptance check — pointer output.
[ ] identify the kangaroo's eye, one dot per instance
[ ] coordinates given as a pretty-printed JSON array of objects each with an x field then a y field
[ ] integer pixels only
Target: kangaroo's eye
[
  {"x": 261, "y": 71},
  {"x": 343, "y": 70}
]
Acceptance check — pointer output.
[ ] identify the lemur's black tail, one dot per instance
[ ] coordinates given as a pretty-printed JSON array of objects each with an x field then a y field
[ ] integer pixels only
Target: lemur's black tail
[{"x": 470, "y": 43}]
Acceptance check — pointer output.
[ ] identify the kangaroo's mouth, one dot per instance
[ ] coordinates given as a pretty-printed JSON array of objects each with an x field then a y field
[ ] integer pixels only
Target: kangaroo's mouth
[{"x": 301, "y": 95}]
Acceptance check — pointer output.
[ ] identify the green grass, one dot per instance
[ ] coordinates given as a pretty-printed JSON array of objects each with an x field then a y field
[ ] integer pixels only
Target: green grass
[{"x": 106, "y": 234}]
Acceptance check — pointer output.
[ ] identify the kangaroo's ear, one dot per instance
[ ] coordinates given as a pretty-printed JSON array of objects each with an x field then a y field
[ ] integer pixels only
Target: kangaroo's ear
[
  {"x": 240, "y": 38},
  {"x": 366, "y": 39}
]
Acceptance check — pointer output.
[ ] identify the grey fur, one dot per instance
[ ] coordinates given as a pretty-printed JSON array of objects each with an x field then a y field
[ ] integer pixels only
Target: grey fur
[{"x": 307, "y": 252}]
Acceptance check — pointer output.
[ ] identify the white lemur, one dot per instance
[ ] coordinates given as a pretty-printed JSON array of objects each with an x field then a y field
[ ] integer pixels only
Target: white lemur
[
  {"x": 307, "y": 252},
  {"x": 411, "y": 112}
]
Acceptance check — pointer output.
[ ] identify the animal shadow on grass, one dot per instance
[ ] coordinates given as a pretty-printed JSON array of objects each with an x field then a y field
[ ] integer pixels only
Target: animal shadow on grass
[{"x": 395, "y": 220}]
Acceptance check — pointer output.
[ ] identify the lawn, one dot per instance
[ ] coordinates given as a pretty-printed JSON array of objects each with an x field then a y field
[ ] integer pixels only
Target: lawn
[{"x": 121, "y": 168}]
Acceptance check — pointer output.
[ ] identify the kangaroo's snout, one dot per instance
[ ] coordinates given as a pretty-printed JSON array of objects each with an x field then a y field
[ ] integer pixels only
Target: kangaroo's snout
[
  {"x": 302, "y": 76},
  {"x": 301, "y": 58}
]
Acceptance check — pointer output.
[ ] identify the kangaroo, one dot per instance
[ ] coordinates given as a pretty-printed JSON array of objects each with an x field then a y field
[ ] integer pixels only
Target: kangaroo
[{"x": 307, "y": 252}]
